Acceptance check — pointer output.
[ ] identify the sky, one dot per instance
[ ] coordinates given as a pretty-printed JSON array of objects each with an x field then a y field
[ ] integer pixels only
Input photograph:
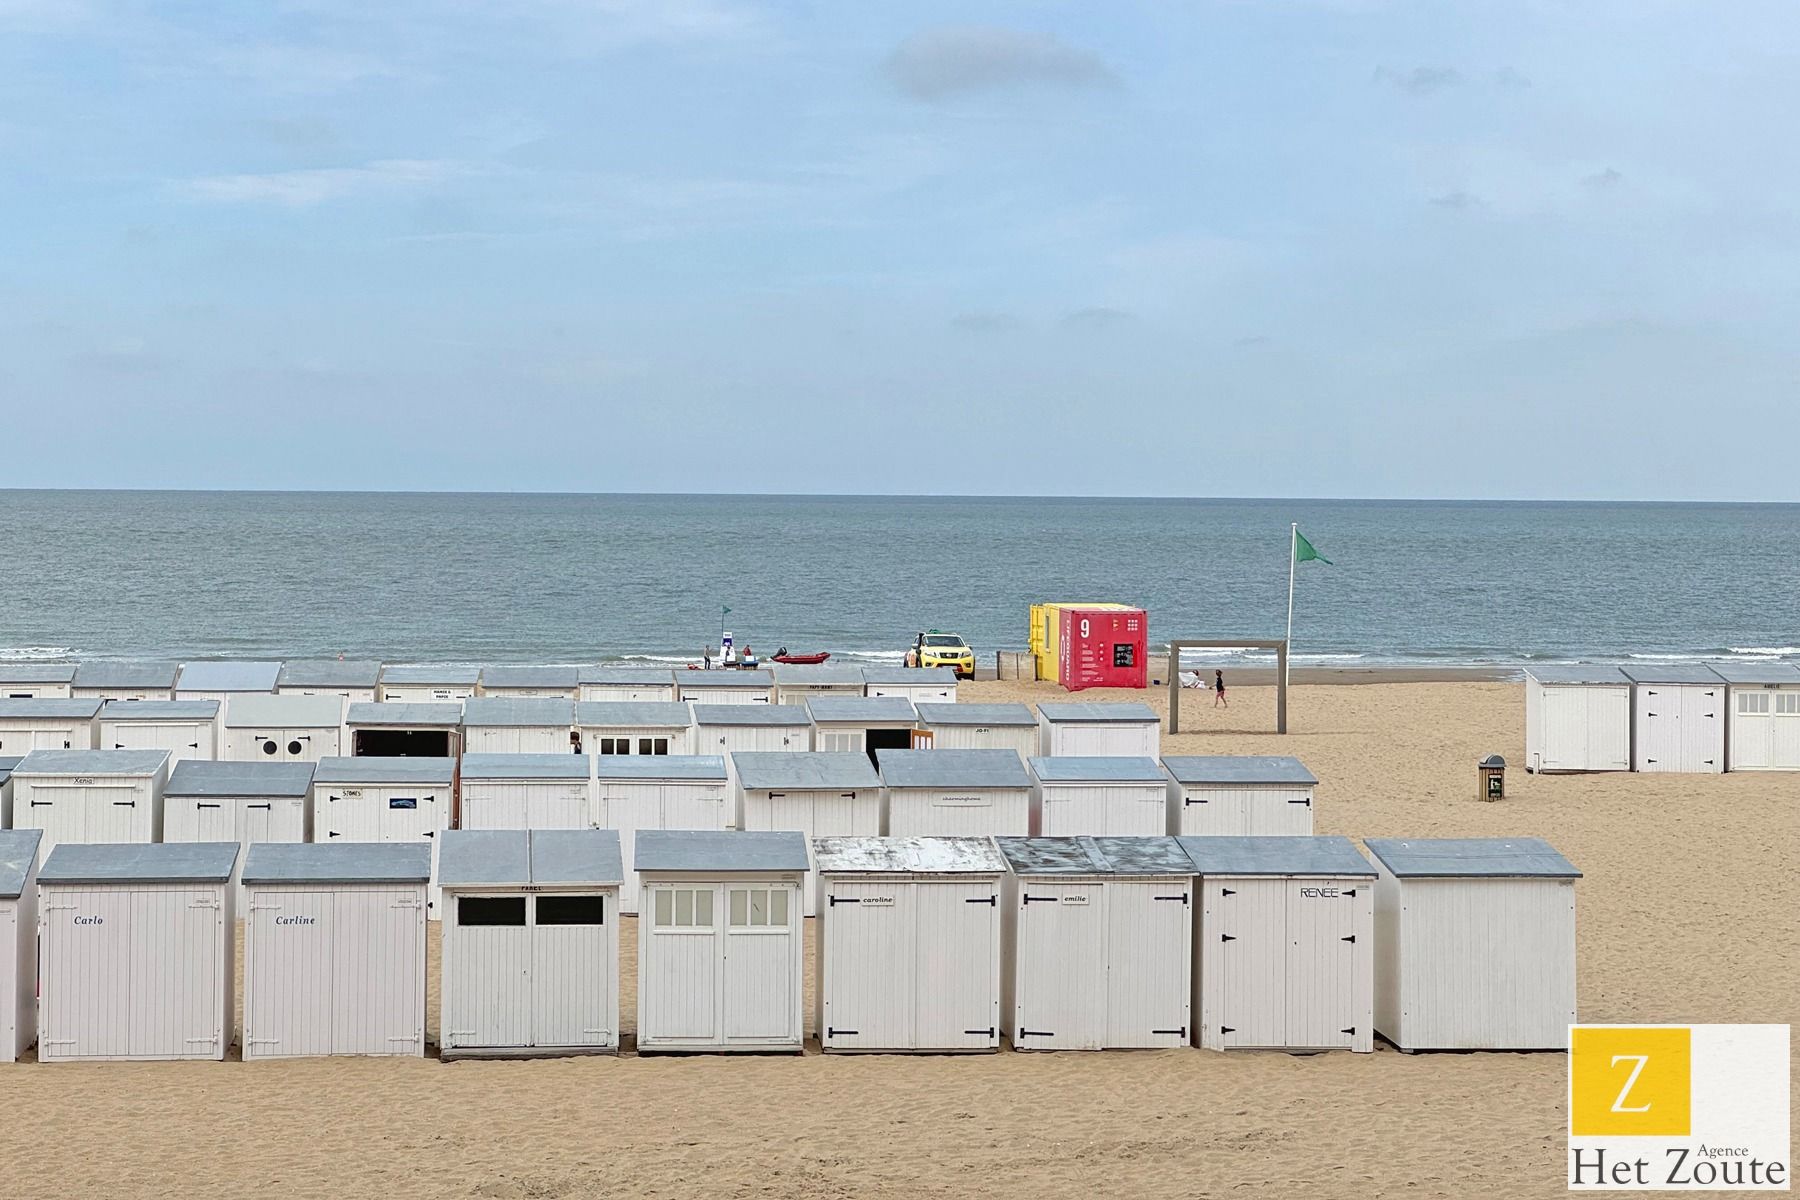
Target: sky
[{"x": 1337, "y": 248}]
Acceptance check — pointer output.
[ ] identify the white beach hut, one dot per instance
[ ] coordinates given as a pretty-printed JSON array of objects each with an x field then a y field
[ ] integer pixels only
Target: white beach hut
[
  {"x": 909, "y": 944},
  {"x": 645, "y": 685},
  {"x": 721, "y": 945},
  {"x": 238, "y": 802},
  {"x": 18, "y": 941},
  {"x": 1070, "y": 728},
  {"x": 334, "y": 950},
  {"x": 221, "y": 680},
  {"x": 817, "y": 794},
  {"x": 859, "y": 723},
  {"x": 416, "y": 684},
  {"x": 91, "y": 795},
  {"x": 921, "y": 685},
  {"x": 1765, "y": 716},
  {"x": 122, "y": 680},
  {"x": 1577, "y": 718},
  {"x": 530, "y": 942},
  {"x": 405, "y": 729},
  {"x": 185, "y": 728},
  {"x": 725, "y": 687},
  {"x": 1474, "y": 943},
  {"x": 635, "y": 726},
  {"x": 137, "y": 944},
  {"x": 1098, "y": 796},
  {"x": 27, "y": 725},
  {"x": 262, "y": 728},
  {"x": 1284, "y": 947},
  {"x": 981, "y": 727},
  {"x": 796, "y": 683},
  {"x": 728, "y": 729},
  {"x": 503, "y": 725},
  {"x": 1257, "y": 795},
  {"x": 524, "y": 682},
  {"x": 383, "y": 800},
  {"x": 526, "y": 791},
  {"x": 676, "y": 791},
  {"x": 356, "y": 682},
  {"x": 1677, "y": 718},
  {"x": 1097, "y": 943},
  {"x": 942, "y": 793},
  {"x": 36, "y": 681}
]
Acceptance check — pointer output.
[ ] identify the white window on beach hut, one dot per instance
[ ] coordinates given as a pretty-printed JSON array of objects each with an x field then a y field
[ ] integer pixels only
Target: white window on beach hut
[
  {"x": 526, "y": 791},
  {"x": 524, "y": 682},
  {"x": 909, "y": 944},
  {"x": 725, "y": 687},
  {"x": 283, "y": 728},
  {"x": 187, "y": 729},
  {"x": 642, "y": 685},
  {"x": 859, "y": 723},
  {"x": 1764, "y": 703},
  {"x": 502, "y": 725},
  {"x": 727, "y": 729},
  {"x": 123, "y": 680},
  {"x": 1284, "y": 954},
  {"x": 635, "y": 727},
  {"x": 1577, "y": 718},
  {"x": 18, "y": 941},
  {"x": 356, "y": 682},
  {"x": 1256, "y": 795},
  {"x": 334, "y": 950},
  {"x": 1474, "y": 943},
  {"x": 921, "y": 685},
  {"x": 796, "y": 683},
  {"x": 91, "y": 795},
  {"x": 1098, "y": 941},
  {"x": 27, "y": 725},
  {"x": 676, "y": 791},
  {"x": 943, "y": 793},
  {"x": 410, "y": 684},
  {"x": 818, "y": 794},
  {"x": 222, "y": 680},
  {"x": 530, "y": 942},
  {"x": 1070, "y": 728},
  {"x": 36, "y": 681},
  {"x": 137, "y": 944},
  {"x": 981, "y": 727},
  {"x": 721, "y": 945},
  {"x": 238, "y": 802},
  {"x": 1098, "y": 796},
  {"x": 383, "y": 800},
  {"x": 405, "y": 729},
  {"x": 1678, "y": 719}
]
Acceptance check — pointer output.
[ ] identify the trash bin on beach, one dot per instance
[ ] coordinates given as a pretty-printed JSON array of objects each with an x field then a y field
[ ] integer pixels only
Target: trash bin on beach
[{"x": 1491, "y": 776}]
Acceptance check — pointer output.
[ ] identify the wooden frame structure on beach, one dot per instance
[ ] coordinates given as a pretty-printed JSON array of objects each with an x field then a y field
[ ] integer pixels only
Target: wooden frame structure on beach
[{"x": 1278, "y": 645}]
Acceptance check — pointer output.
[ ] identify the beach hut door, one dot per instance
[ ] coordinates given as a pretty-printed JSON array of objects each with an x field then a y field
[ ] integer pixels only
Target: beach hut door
[
  {"x": 1243, "y": 963},
  {"x": 957, "y": 1003},
  {"x": 759, "y": 968},
  {"x": 1322, "y": 954},
  {"x": 1148, "y": 942},
  {"x": 288, "y": 985},
  {"x": 87, "y": 1010},
  {"x": 870, "y": 936},
  {"x": 571, "y": 975},
  {"x": 1060, "y": 997}
]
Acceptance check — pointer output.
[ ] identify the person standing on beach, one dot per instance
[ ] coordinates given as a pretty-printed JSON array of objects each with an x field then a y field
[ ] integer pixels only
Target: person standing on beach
[{"x": 1219, "y": 689}]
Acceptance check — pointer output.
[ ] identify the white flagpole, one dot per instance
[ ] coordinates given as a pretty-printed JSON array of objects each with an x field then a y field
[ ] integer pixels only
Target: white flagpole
[{"x": 1293, "y": 550}]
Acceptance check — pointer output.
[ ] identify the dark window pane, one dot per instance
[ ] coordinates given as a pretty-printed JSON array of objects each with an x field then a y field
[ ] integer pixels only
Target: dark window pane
[
  {"x": 403, "y": 802},
  {"x": 490, "y": 910},
  {"x": 571, "y": 910}
]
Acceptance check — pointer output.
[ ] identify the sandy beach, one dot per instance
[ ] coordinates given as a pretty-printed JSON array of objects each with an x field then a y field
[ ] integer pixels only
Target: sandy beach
[{"x": 1687, "y": 913}]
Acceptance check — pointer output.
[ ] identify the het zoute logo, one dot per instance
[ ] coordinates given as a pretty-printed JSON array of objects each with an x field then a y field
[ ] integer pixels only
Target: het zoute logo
[{"x": 1666, "y": 1108}]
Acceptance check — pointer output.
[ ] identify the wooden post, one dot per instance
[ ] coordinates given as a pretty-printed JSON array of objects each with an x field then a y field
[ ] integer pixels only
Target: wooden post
[{"x": 1174, "y": 670}]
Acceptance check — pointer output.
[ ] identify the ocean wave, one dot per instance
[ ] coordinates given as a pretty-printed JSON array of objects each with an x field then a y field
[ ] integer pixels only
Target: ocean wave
[
  {"x": 1765, "y": 651},
  {"x": 36, "y": 653}
]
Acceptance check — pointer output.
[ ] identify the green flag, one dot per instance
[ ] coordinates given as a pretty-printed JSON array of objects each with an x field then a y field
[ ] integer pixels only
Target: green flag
[
  {"x": 723, "y": 610},
  {"x": 1304, "y": 552}
]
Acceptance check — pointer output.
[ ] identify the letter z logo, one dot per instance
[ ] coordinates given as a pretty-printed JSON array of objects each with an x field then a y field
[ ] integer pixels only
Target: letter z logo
[{"x": 1630, "y": 1080}]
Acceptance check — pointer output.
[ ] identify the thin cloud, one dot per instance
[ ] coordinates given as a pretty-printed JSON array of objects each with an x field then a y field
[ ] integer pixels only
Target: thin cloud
[
  {"x": 309, "y": 187},
  {"x": 1097, "y": 319},
  {"x": 1511, "y": 80},
  {"x": 942, "y": 63},
  {"x": 984, "y": 322},
  {"x": 1601, "y": 181},
  {"x": 1254, "y": 339},
  {"x": 1456, "y": 201},
  {"x": 1420, "y": 81}
]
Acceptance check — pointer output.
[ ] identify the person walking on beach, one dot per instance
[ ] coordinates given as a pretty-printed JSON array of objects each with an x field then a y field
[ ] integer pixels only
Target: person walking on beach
[{"x": 1219, "y": 689}]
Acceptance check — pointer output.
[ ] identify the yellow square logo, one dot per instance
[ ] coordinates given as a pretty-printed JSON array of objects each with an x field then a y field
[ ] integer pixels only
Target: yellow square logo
[{"x": 1630, "y": 1081}]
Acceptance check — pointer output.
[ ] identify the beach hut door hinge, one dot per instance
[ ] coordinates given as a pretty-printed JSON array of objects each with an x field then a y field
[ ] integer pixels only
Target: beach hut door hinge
[
  {"x": 831, "y": 1032},
  {"x": 837, "y": 900},
  {"x": 1351, "y": 1031},
  {"x": 1307, "y": 801},
  {"x": 1227, "y": 1029},
  {"x": 334, "y": 833},
  {"x": 1183, "y": 898},
  {"x": 206, "y": 806},
  {"x": 1351, "y": 938},
  {"x": 1040, "y": 900},
  {"x": 993, "y": 900},
  {"x": 1226, "y": 937},
  {"x": 264, "y": 807},
  {"x": 1180, "y": 1033},
  {"x": 1025, "y": 1033},
  {"x": 1350, "y": 893},
  {"x": 124, "y": 803},
  {"x": 987, "y": 1033},
  {"x": 1227, "y": 892},
  {"x": 1191, "y": 800}
]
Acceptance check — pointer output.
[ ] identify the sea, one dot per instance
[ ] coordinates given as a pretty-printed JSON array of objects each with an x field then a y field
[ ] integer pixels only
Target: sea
[{"x": 511, "y": 577}]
